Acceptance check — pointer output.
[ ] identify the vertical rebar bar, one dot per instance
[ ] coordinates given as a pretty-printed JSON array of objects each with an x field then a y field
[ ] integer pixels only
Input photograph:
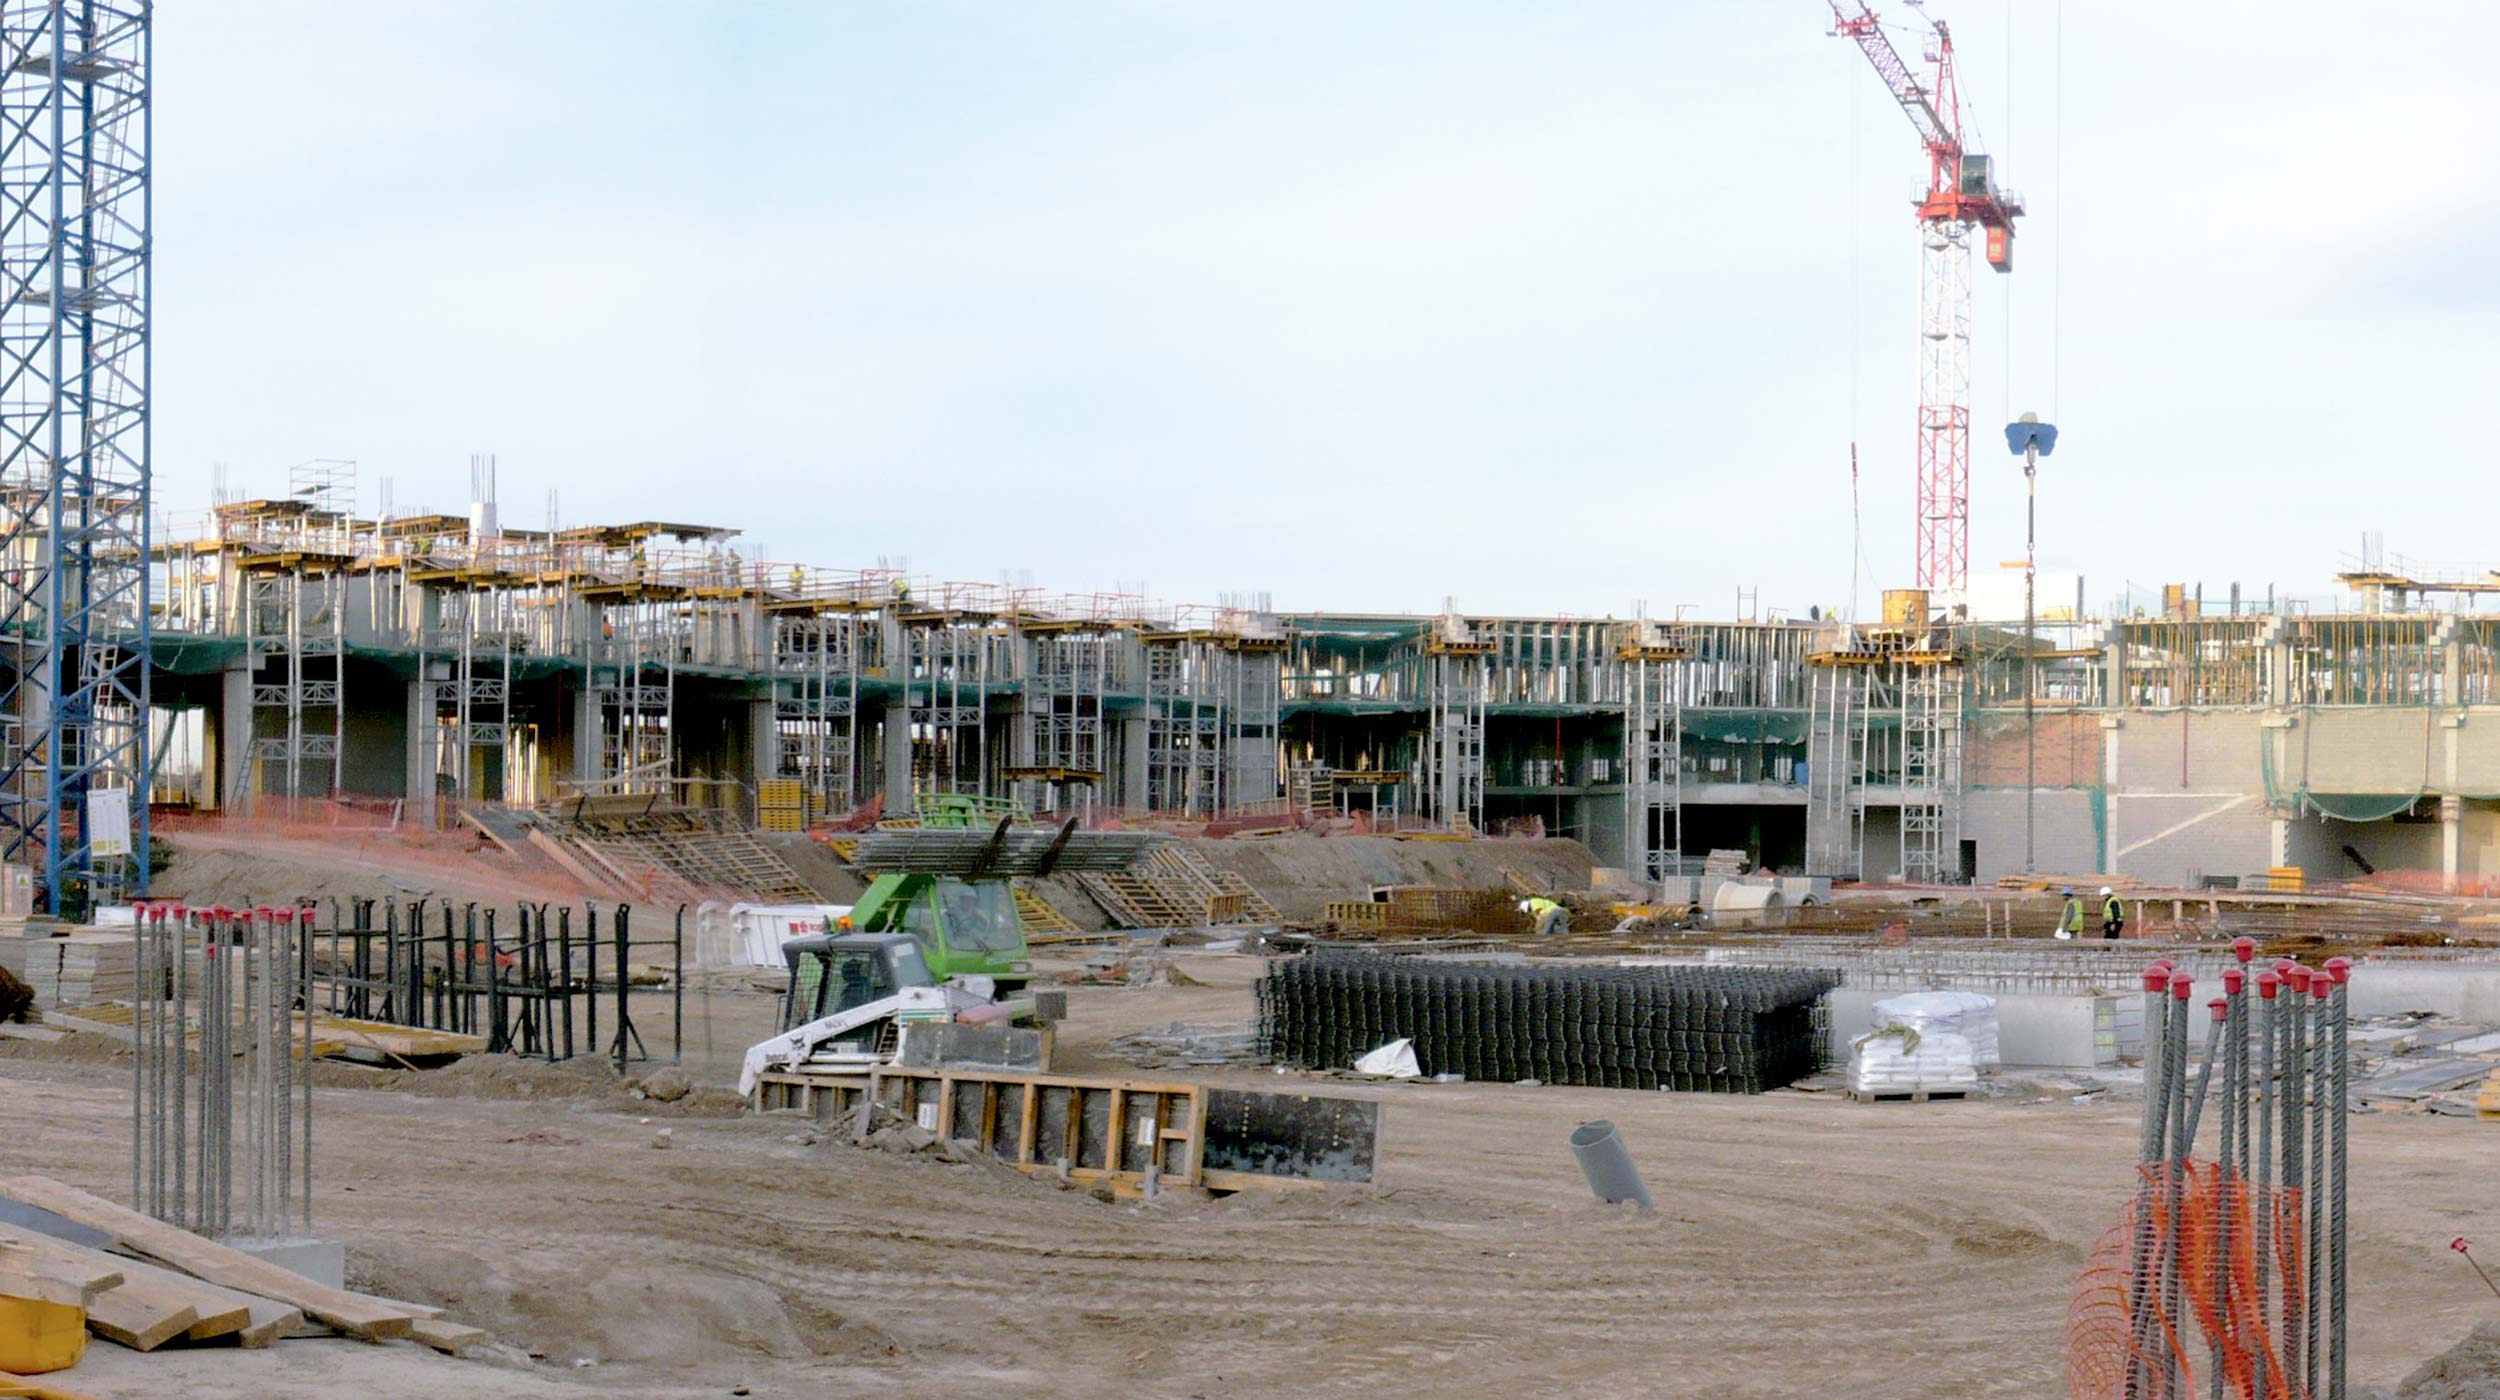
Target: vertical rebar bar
[
  {"x": 2319, "y": 1184},
  {"x": 2295, "y": 1012},
  {"x": 2340, "y": 1069},
  {"x": 2174, "y": 1173},
  {"x": 2264, "y": 1033}
]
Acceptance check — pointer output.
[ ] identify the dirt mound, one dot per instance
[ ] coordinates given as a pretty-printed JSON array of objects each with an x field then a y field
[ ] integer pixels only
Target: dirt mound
[
  {"x": 619, "y": 1312},
  {"x": 2470, "y": 1370},
  {"x": 589, "y": 1080},
  {"x": 1301, "y": 873}
]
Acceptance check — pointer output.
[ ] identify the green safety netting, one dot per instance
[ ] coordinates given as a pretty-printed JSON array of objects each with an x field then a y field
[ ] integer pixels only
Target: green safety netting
[{"x": 1744, "y": 726}]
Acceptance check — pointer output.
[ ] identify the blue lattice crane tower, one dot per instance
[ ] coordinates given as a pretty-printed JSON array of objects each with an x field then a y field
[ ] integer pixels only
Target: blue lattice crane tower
[{"x": 74, "y": 428}]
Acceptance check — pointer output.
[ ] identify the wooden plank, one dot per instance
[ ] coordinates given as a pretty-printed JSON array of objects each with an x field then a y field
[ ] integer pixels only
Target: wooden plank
[
  {"x": 48, "y": 1271},
  {"x": 222, "y": 1311},
  {"x": 1026, "y": 1120},
  {"x": 141, "y": 1314},
  {"x": 448, "y": 1337},
  {"x": 351, "y": 1313},
  {"x": 1114, "y": 1132}
]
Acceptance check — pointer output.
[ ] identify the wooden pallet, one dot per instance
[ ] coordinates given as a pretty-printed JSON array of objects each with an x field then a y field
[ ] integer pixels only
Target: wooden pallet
[{"x": 1906, "y": 1095}]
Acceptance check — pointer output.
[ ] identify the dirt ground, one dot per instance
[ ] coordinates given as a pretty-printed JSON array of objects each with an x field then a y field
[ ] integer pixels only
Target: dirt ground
[{"x": 1802, "y": 1243}]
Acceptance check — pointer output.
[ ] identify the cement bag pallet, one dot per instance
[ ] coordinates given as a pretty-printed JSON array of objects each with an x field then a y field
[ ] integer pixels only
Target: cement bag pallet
[
  {"x": 1969, "y": 1015},
  {"x": 1716, "y": 1030},
  {"x": 1897, "y": 1059}
]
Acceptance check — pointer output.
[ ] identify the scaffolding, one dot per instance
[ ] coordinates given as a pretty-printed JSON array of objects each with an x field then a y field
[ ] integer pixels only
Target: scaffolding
[
  {"x": 1074, "y": 668},
  {"x": 1653, "y": 659},
  {"x": 464, "y": 665},
  {"x": 816, "y": 655},
  {"x": 295, "y": 639},
  {"x": 1251, "y": 651},
  {"x": 1450, "y": 775},
  {"x": 947, "y": 674},
  {"x": 632, "y": 688},
  {"x": 1184, "y": 722},
  {"x": 1931, "y": 769},
  {"x": 1836, "y": 761}
]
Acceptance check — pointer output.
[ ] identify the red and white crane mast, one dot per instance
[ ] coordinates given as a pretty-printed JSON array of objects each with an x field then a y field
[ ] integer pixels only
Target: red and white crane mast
[{"x": 1961, "y": 195}]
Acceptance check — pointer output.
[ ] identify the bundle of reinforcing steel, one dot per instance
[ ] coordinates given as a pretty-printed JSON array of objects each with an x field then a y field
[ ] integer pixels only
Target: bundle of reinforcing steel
[
  {"x": 2226, "y": 1275},
  {"x": 1721, "y": 1030}
]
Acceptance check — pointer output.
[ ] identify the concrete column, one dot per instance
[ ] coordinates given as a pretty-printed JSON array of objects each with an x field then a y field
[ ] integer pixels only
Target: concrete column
[
  {"x": 420, "y": 752},
  {"x": 587, "y": 738},
  {"x": 898, "y": 794},
  {"x": 234, "y": 737},
  {"x": 764, "y": 740},
  {"x": 2111, "y": 728},
  {"x": 1133, "y": 763},
  {"x": 2451, "y": 832}
]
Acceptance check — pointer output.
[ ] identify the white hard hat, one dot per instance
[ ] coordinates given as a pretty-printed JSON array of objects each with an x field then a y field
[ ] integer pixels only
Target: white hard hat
[
  {"x": 1523, "y": 906},
  {"x": 2104, "y": 889}
]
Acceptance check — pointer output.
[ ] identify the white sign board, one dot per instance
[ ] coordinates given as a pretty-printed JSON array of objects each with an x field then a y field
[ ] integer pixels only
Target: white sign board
[{"x": 108, "y": 822}]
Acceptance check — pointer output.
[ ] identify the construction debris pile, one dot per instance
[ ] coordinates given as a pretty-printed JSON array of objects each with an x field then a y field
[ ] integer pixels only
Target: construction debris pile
[{"x": 1688, "y": 1028}]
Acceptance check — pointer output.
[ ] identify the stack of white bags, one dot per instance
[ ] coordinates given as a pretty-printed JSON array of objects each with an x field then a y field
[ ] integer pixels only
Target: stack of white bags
[
  {"x": 1966, "y": 1014},
  {"x": 1925, "y": 1042}
]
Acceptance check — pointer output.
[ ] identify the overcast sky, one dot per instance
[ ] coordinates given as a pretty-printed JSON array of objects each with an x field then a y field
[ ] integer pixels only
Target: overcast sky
[{"x": 1555, "y": 307}]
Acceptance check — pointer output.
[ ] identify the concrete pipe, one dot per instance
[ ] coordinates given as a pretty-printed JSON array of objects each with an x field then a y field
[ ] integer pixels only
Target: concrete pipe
[
  {"x": 1740, "y": 905},
  {"x": 1607, "y": 1165}
]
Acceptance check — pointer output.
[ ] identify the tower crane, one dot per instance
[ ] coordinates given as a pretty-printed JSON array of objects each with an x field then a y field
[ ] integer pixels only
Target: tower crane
[{"x": 1962, "y": 195}]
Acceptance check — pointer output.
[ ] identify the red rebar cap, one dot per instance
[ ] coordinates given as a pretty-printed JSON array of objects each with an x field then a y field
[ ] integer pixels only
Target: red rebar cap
[
  {"x": 2285, "y": 965},
  {"x": 262, "y": 911},
  {"x": 284, "y": 916},
  {"x": 2221, "y": 1007},
  {"x": 2298, "y": 977},
  {"x": 2321, "y": 986},
  {"x": 2267, "y": 983},
  {"x": 2156, "y": 978},
  {"x": 2233, "y": 979},
  {"x": 2166, "y": 965},
  {"x": 306, "y": 915},
  {"x": 2244, "y": 947},
  {"x": 2181, "y": 984},
  {"x": 180, "y": 909},
  {"x": 221, "y": 912},
  {"x": 2340, "y": 969}
]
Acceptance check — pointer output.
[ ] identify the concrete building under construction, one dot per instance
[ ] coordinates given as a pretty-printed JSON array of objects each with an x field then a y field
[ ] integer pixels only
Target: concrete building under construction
[{"x": 301, "y": 652}]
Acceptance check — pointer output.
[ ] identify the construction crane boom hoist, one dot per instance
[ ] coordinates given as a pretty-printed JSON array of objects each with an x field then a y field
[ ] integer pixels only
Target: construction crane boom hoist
[{"x": 1962, "y": 195}]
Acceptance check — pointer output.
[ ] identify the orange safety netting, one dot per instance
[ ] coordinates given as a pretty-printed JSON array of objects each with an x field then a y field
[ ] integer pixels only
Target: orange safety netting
[{"x": 2119, "y": 1331}]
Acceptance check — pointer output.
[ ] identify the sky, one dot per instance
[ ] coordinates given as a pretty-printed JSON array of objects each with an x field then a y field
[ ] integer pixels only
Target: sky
[{"x": 1574, "y": 307}]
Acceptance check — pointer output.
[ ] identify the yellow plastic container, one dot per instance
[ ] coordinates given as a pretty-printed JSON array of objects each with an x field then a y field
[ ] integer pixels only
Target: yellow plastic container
[{"x": 36, "y": 1337}]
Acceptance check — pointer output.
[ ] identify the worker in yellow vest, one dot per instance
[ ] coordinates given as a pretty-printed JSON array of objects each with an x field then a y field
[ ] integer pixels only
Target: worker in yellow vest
[
  {"x": 2113, "y": 917},
  {"x": 1550, "y": 917},
  {"x": 2070, "y": 918}
]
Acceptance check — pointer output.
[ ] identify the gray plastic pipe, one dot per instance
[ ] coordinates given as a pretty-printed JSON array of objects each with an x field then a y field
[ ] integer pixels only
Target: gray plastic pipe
[{"x": 1607, "y": 1165}]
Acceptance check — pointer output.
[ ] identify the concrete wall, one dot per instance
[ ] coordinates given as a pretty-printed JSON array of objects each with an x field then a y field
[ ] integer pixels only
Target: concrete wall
[
  {"x": 2065, "y": 838},
  {"x": 2033, "y": 1029}
]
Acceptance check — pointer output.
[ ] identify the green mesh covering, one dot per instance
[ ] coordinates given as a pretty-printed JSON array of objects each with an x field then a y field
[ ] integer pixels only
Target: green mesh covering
[
  {"x": 2359, "y": 806},
  {"x": 1745, "y": 726}
]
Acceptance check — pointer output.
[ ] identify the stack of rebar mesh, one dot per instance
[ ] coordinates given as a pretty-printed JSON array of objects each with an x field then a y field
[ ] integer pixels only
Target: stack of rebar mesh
[
  {"x": 2227, "y": 1274},
  {"x": 1713, "y": 1030}
]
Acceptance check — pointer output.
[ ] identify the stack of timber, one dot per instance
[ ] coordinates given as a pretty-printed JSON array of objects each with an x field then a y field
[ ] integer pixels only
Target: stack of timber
[
  {"x": 634, "y": 838},
  {"x": 82, "y": 966},
  {"x": 333, "y": 1037},
  {"x": 1726, "y": 863},
  {"x": 2080, "y": 884},
  {"x": 1175, "y": 889},
  {"x": 147, "y": 1284},
  {"x": 1039, "y": 915}
]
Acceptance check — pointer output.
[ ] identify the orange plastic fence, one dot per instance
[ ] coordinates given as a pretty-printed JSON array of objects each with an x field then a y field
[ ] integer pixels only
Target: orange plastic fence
[{"x": 2116, "y": 1335}]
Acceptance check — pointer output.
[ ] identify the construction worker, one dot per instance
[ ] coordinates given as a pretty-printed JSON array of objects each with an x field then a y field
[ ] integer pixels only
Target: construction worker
[
  {"x": 2070, "y": 919},
  {"x": 1550, "y": 917},
  {"x": 902, "y": 590},
  {"x": 798, "y": 580},
  {"x": 2113, "y": 918}
]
